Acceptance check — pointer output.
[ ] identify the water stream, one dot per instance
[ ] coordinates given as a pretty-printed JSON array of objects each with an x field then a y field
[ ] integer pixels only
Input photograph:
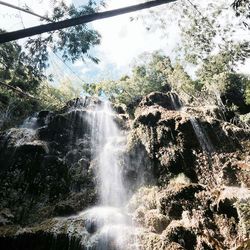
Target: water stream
[
  {"x": 202, "y": 137},
  {"x": 108, "y": 220},
  {"x": 108, "y": 144},
  {"x": 200, "y": 132}
]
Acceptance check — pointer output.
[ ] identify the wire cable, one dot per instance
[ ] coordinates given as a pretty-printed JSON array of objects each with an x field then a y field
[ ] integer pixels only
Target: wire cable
[{"x": 24, "y": 10}]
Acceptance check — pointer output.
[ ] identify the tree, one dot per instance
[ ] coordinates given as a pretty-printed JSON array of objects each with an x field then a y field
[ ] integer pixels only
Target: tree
[
  {"x": 17, "y": 68},
  {"x": 72, "y": 43},
  {"x": 212, "y": 39},
  {"x": 205, "y": 28},
  {"x": 242, "y": 9},
  {"x": 53, "y": 98},
  {"x": 23, "y": 69},
  {"x": 151, "y": 72},
  {"x": 217, "y": 76}
]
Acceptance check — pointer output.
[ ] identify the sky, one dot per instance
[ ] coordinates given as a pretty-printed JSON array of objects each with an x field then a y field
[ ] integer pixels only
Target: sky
[{"x": 122, "y": 40}]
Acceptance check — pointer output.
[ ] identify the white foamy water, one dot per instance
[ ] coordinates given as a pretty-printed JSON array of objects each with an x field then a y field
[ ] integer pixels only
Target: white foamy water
[
  {"x": 30, "y": 122},
  {"x": 108, "y": 222},
  {"x": 107, "y": 147},
  {"x": 27, "y": 131},
  {"x": 202, "y": 137}
]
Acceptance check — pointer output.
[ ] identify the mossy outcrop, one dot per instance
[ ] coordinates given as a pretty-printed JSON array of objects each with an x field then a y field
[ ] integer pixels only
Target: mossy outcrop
[
  {"x": 189, "y": 171},
  {"x": 45, "y": 170},
  {"x": 202, "y": 174}
]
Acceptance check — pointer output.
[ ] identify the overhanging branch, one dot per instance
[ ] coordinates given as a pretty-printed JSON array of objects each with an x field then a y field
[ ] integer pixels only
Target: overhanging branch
[
  {"x": 11, "y": 36},
  {"x": 18, "y": 90}
]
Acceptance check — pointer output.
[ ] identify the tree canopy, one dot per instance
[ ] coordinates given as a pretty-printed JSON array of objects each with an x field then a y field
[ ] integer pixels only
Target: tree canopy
[
  {"x": 210, "y": 39},
  {"x": 24, "y": 68}
]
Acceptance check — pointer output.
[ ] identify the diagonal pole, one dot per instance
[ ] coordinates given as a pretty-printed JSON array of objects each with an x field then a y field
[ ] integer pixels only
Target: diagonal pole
[{"x": 15, "y": 35}]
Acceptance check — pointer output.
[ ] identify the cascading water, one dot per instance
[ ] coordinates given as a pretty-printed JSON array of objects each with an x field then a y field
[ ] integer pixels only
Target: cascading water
[
  {"x": 201, "y": 135},
  {"x": 30, "y": 122},
  {"x": 108, "y": 222},
  {"x": 107, "y": 145}
]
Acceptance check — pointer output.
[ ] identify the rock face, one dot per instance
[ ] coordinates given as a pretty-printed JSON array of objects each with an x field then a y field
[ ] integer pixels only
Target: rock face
[
  {"x": 46, "y": 171},
  {"x": 200, "y": 198},
  {"x": 188, "y": 169}
]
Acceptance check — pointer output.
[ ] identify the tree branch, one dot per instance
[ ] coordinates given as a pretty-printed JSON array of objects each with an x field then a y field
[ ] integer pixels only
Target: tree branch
[
  {"x": 24, "y": 10},
  {"x": 17, "y": 90},
  {"x": 10, "y": 36}
]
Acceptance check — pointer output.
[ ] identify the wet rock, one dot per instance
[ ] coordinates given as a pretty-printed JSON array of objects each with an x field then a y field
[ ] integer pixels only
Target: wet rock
[
  {"x": 174, "y": 246},
  {"x": 244, "y": 245},
  {"x": 150, "y": 118},
  {"x": 186, "y": 238},
  {"x": 39, "y": 241},
  {"x": 156, "y": 222},
  {"x": 120, "y": 108},
  {"x": 179, "y": 198},
  {"x": 42, "y": 166},
  {"x": 81, "y": 103},
  {"x": 169, "y": 100},
  {"x": 185, "y": 197},
  {"x": 6, "y": 217},
  {"x": 64, "y": 209},
  {"x": 151, "y": 241}
]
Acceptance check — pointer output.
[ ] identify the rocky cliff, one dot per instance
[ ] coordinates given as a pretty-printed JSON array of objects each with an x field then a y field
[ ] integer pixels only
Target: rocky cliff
[
  {"x": 201, "y": 164},
  {"x": 188, "y": 171}
]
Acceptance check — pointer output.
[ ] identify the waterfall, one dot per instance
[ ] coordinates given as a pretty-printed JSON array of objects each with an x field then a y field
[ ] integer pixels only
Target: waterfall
[
  {"x": 176, "y": 102},
  {"x": 108, "y": 222},
  {"x": 107, "y": 146},
  {"x": 201, "y": 135},
  {"x": 30, "y": 122}
]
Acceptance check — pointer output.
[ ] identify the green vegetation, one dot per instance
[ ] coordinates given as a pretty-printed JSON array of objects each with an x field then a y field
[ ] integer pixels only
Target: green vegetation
[
  {"x": 72, "y": 43},
  {"x": 152, "y": 72},
  {"x": 156, "y": 72},
  {"x": 210, "y": 42},
  {"x": 24, "y": 87},
  {"x": 206, "y": 42}
]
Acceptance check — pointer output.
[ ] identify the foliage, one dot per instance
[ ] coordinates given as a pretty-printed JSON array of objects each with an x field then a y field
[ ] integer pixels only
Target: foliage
[
  {"x": 247, "y": 94},
  {"x": 14, "y": 108},
  {"x": 20, "y": 71},
  {"x": 205, "y": 28},
  {"x": 155, "y": 72},
  {"x": 216, "y": 75},
  {"x": 24, "y": 69},
  {"x": 52, "y": 98},
  {"x": 242, "y": 9},
  {"x": 214, "y": 40},
  {"x": 208, "y": 30},
  {"x": 72, "y": 43},
  {"x": 17, "y": 68},
  {"x": 151, "y": 72}
]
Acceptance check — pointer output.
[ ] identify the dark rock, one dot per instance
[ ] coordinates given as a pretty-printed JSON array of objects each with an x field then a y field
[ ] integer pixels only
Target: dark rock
[
  {"x": 40, "y": 241},
  {"x": 43, "y": 166},
  {"x": 169, "y": 100},
  {"x": 43, "y": 117},
  {"x": 64, "y": 209},
  {"x": 6, "y": 217},
  {"x": 182, "y": 236},
  {"x": 179, "y": 198},
  {"x": 120, "y": 109},
  {"x": 81, "y": 103},
  {"x": 149, "y": 119},
  {"x": 227, "y": 208},
  {"x": 49, "y": 171}
]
